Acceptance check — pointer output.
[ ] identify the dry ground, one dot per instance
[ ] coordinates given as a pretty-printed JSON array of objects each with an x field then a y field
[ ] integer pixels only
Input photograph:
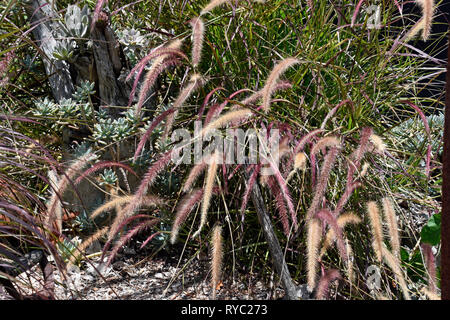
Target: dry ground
[{"x": 134, "y": 278}]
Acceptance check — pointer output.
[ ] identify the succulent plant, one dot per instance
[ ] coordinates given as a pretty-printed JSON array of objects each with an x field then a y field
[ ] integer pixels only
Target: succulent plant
[
  {"x": 102, "y": 114},
  {"x": 84, "y": 223},
  {"x": 130, "y": 116},
  {"x": 67, "y": 247},
  {"x": 133, "y": 43},
  {"x": 83, "y": 91},
  {"x": 108, "y": 130},
  {"x": 64, "y": 50},
  {"x": 108, "y": 177},
  {"x": 85, "y": 108},
  {"x": 81, "y": 149},
  {"x": 104, "y": 131},
  {"x": 44, "y": 108},
  {"x": 76, "y": 21},
  {"x": 67, "y": 108},
  {"x": 412, "y": 135},
  {"x": 132, "y": 37},
  {"x": 123, "y": 128}
]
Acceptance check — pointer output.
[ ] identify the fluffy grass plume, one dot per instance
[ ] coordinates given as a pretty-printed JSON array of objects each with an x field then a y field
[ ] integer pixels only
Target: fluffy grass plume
[
  {"x": 117, "y": 202},
  {"x": 150, "y": 78},
  {"x": 149, "y": 131},
  {"x": 216, "y": 109},
  {"x": 299, "y": 164},
  {"x": 194, "y": 83},
  {"x": 248, "y": 188},
  {"x": 321, "y": 185},
  {"x": 280, "y": 204},
  {"x": 364, "y": 169},
  {"x": 377, "y": 143},
  {"x": 377, "y": 228},
  {"x": 209, "y": 185},
  {"x": 271, "y": 82},
  {"x": 158, "y": 54},
  {"x": 53, "y": 180},
  {"x": 149, "y": 222},
  {"x": 55, "y": 210},
  {"x": 333, "y": 111},
  {"x": 349, "y": 269},
  {"x": 206, "y": 101},
  {"x": 330, "y": 141},
  {"x": 326, "y": 216},
  {"x": 415, "y": 29},
  {"x": 394, "y": 264},
  {"x": 213, "y": 112},
  {"x": 300, "y": 161},
  {"x": 183, "y": 210},
  {"x": 427, "y": 14},
  {"x": 357, "y": 155},
  {"x": 212, "y": 5},
  {"x": 225, "y": 119},
  {"x": 285, "y": 192},
  {"x": 217, "y": 257},
  {"x": 198, "y": 30},
  {"x": 305, "y": 139},
  {"x": 313, "y": 239},
  {"x": 280, "y": 85},
  {"x": 194, "y": 173},
  {"x": 283, "y": 149},
  {"x": 112, "y": 204},
  {"x": 302, "y": 142},
  {"x": 355, "y": 13},
  {"x": 216, "y": 3},
  {"x": 86, "y": 243},
  {"x": 342, "y": 221},
  {"x": 354, "y": 163},
  {"x": 344, "y": 198},
  {"x": 4, "y": 65},
  {"x": 148, "y": 179},
  {"x": 324, "y": 283},
  {"x": 392, "y": 224},
  {"x": 163, "y": 58},
  {"x": 125, "y": 212}
]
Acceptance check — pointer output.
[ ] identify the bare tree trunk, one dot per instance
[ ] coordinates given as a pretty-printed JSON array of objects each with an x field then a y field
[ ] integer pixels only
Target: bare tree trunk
[
  {"x": 100, "y": 63},
  {"x": 43, "y": 21}
]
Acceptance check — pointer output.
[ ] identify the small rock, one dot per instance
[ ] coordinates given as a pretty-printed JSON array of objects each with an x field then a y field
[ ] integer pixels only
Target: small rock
[
  {"x": 159, "y": 275},
  {"x": 117, "y": 266},
  {"x": 94, "y": 247},
  {"x": 86, "y": 276},
  {"x": 71, "y": 269},
  {"x": 175, "y": 286},
  {"x": 129, "y": 251}
]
